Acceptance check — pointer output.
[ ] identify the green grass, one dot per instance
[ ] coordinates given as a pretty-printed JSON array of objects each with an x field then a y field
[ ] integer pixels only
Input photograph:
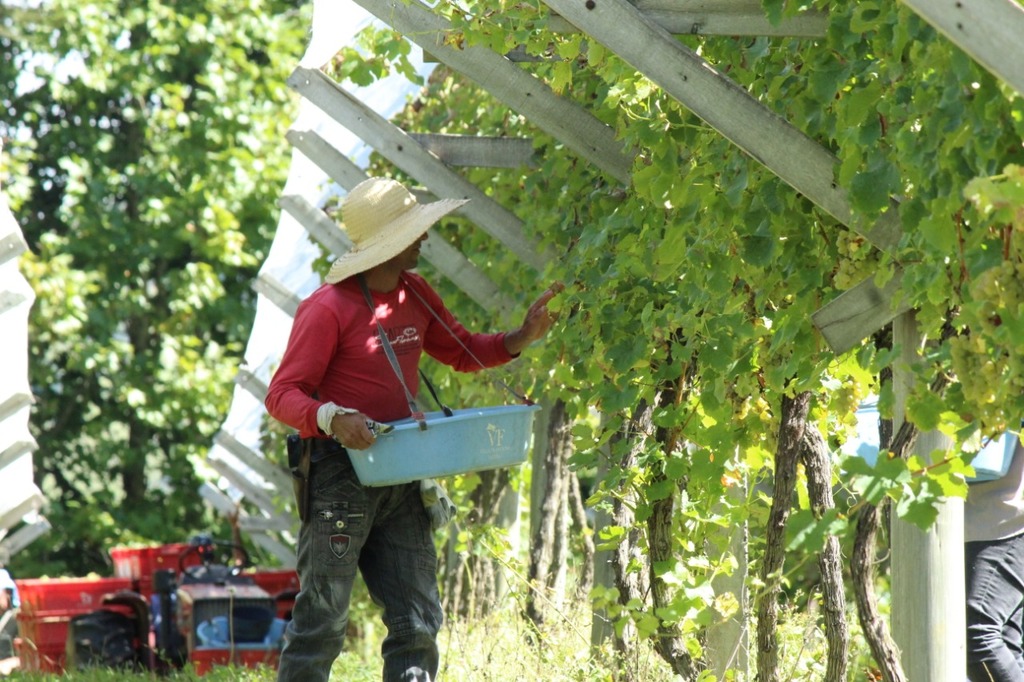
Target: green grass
[
  {"x": 495, "y": 648},
  {"x": 504, "y": 646}
]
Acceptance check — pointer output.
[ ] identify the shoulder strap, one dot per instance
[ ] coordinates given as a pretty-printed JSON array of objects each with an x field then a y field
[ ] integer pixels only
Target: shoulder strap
[
  {"x": 417, "y": 413},
  {"x": 433, "y": 392},
  {"x": 525, "y": 400}
]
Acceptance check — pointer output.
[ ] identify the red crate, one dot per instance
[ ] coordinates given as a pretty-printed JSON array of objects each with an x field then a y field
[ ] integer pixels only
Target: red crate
[
  {"x": 128, "y": 561},
  {"x": 205, "y": 659},
  {"x": 42, "y": 641},
  {"x": 173, "y": 556},
  {"x": 67, "y": 595},
  {"x": 43, "y": 636},
  {"x": 140, "y": 563}
]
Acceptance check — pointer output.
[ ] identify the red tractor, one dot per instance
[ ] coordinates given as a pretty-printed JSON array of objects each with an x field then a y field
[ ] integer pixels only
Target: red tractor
[{"x": 198, "y": 603}]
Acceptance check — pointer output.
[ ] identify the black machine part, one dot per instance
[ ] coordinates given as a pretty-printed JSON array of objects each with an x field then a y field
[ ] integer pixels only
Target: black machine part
[
  {"x": 214, "y": 567},
  {"x": 110, "y": 637},
  {"x": 169, "y": 642},
  {"x": 101, "y": 639}
]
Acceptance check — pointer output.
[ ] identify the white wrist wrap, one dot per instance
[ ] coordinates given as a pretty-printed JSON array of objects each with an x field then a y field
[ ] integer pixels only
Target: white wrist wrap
[{"x": 326, "y": 413}]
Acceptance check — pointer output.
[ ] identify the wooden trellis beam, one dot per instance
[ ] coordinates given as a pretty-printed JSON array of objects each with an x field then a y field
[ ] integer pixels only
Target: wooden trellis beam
[
  {"x": 479, "y": 152},
  {"x": 858, "y": 312},
  {"x": 524, "y": 93},
  {"x": 720, "y": 17},
  {"x": 795, "y": 158},
  {"x": 468, "y": 277},
  {"x": 266, "y": 524},
  {"x": 798, "y": 160},
  {"x": 269, "y": 472},
  {"x": 31, "y": 501},
  {"x": 258, "y": 527},
  {"x": 258, "y": 495},
  {"x": 703, "y": 17},
  {"x": 22, "y": 538},
  {"x": 336, "y": 165},
  {"x": 16, "y": 450},
  {"x": 12, "y": 242},
  {"x": 317, "y": 223},
  {"x": 10, "y": 300},
  {"x": 256, "y": 387},
  {"x": 277, "y": 293},
  {"x": 409, "y": 155},
  {"x": 15, "y": 402},
  {"x": 990, "y": 31},
  {"x": 448, "y": 260},
  {"x": 11, "y": 246}
]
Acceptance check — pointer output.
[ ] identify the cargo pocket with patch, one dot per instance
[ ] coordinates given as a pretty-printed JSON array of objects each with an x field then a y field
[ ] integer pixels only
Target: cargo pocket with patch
[{"x": 338, "y": 516}]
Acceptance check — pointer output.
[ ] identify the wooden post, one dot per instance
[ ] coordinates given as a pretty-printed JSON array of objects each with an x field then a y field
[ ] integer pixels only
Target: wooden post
[
  {"x": 538, "y": 475},
  {"x": 601, "y": 627},
  {"x": 928, "y": 610},
  {"x": 507, "y": 518},
  {"x": 728, "y": 642}
]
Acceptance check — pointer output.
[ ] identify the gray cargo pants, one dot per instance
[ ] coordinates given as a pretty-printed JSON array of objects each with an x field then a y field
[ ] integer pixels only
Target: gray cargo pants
[{"x": 384, "y": 533}]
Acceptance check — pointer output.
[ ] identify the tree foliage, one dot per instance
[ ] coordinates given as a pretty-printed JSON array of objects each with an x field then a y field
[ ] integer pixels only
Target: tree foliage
[{"x": 146, "y": 159}]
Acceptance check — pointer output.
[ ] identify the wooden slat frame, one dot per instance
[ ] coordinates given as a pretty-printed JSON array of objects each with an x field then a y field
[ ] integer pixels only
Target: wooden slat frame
[
  {"x": 255, "y": 386},
  {"x": 439, "y": 253},
  {"x": 479, "y": 151},
  {"x": 22, "y": 538},
  {"x": 257, "y": 495},
  {"x": 257, "y": 526},
  {"x": 13, "y": 403},
  {"x": 17, "y": 449},
  {"x": 720, "y": 17},
  {"x": 278, "y": 294},
  {"x": 764, "y": 135},
  {"x": 12, "y": 246},
  {"x": 858, "y": 312},
  {"x": 990, "y": 31},
  {"x": 264, "y": 468},
  {"x": 12, "y": 242},
  {"x": 284, "y": 554},
  {"x": 524, "y": 93},
  {"x": 31, "y": 501},
  {"x": 317, "y": 223},
  {"x": 410, "y": 156},
  {"x": 802, "y": 163},
  {"x": 10, "y": 300},
  {"x": 266, "y": 524},
  {"x": 703, "y": 17},
  {"x": 328, "y": 159}
]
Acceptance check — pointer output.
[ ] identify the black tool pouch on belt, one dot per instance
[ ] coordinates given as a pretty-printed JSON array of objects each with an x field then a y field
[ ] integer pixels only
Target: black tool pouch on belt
[{"x": 298, "y": 463}]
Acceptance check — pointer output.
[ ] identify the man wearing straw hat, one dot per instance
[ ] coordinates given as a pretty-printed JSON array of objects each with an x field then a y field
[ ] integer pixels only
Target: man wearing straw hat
[{"x": 339, "y": 371}]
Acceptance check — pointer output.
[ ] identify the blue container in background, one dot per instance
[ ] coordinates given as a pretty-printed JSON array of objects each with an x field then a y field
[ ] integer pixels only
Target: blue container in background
[
  {"x": 991, "y": 462},
  {"x": 472, "y": 439}
]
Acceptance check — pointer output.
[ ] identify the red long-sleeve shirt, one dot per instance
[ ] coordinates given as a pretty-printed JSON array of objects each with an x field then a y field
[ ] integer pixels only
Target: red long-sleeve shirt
[{"x": 334, "y": 352}]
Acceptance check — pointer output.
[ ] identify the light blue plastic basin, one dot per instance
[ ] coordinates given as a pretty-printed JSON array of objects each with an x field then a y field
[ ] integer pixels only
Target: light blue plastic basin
[
  {"x": 472, "y": 439},
  {"x": 990, "y": 463}
]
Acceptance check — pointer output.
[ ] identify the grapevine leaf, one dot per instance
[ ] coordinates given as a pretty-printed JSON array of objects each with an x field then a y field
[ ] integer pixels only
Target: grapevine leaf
[
  {"x": 871, "y": 188},
  {"x": 809, "y": 534},
  {"x": 925, "y": 411}
]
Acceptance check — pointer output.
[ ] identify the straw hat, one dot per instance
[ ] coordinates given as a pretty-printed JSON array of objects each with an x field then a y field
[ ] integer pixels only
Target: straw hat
[{"x": 382, "y": 218}]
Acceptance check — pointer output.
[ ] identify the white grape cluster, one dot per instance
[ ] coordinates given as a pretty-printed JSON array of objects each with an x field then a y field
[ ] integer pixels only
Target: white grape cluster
[
  {"x": 857, "y": 260},
  {"x": 986, "y": 359}
]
